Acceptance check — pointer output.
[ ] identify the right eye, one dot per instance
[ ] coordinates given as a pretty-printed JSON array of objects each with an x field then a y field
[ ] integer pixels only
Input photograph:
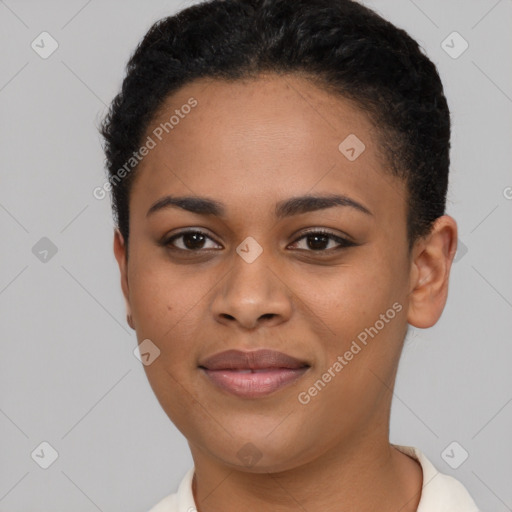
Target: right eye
[{"x": 192, "y": 241}]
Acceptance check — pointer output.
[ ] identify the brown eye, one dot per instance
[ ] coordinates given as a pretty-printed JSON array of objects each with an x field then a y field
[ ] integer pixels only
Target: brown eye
[
  {"x": 192, "y": 241},
  {"x": 318, "y": 241}
]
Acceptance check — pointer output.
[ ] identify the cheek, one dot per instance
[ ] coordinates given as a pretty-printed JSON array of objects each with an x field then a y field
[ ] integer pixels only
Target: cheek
[
  {"x": 359, "y": 309},
  {"x": 168, "y": 304},
  {"x": 158, "y": 294},
  {"x": 349, "y": 298}
]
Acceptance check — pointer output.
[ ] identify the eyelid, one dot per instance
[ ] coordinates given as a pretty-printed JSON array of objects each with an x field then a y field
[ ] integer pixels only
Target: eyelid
[
  {"x": 343, "y": 241},
  {"x": 325, "y": 231},
  {"x": 165, "y": 242}
]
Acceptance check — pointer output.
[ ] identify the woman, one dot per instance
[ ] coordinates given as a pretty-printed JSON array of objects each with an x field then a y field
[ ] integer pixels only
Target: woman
[{"x": 279, "y": 172}]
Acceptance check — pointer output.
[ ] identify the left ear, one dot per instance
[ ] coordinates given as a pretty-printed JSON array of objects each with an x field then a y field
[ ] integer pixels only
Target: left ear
[{"x": 430, "y": 272}]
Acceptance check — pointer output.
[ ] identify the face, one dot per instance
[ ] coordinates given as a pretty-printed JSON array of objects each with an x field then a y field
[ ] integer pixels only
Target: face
[{"x": 327, "y": 283}]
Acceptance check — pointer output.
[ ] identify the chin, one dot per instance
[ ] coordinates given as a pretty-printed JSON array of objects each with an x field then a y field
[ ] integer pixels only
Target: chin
[{"x": 261, "y": 453}]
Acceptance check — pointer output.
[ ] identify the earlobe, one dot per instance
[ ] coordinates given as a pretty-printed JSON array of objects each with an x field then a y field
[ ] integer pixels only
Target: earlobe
[
  {"x": 430, "y": 273},
  {"x": 120, "y": 255}
]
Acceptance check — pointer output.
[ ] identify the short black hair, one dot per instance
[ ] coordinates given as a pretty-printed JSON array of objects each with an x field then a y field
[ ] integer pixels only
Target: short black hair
[{"x": 339, "y": 45}]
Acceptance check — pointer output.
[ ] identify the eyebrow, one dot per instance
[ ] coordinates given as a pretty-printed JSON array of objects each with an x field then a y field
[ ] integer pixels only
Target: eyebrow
[{"x": 285, "y": 208}]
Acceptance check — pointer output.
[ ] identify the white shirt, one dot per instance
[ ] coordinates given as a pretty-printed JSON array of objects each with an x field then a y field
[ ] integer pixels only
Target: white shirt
[{"x": 440, "y": 492}]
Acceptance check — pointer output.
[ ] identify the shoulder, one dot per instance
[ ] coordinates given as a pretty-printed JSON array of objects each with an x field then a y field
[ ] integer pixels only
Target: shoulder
[
  {"x": 440, "y": 492},
  {"x": 167, "y": 504},
  {"x": 180, "y": 501}
]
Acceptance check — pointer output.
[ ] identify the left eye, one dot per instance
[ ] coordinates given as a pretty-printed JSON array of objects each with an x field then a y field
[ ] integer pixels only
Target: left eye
[{"x": 316, "y": 241}]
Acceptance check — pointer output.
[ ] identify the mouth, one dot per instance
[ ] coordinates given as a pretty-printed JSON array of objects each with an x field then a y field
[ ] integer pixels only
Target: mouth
[{"x": 252, "y": 374}]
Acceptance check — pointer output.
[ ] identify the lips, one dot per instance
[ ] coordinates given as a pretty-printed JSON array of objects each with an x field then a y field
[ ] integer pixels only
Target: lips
[
  {"x": 263, "y": 359},
  {"x": 252, "y": 374}
]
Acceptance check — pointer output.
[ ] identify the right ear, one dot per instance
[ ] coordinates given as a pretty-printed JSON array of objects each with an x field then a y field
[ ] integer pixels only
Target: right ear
[{"x": 120, "y": 254}]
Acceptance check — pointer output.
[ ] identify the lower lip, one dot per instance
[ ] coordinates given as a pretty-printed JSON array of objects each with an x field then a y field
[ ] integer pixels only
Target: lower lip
[{"x": 254, "y": 385}]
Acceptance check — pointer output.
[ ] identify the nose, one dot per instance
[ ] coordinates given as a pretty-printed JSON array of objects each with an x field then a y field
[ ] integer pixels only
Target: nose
[{"x": 252, "y": 294}]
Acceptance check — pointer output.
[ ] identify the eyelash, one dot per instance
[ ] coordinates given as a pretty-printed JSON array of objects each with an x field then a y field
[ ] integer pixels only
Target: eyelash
[{"x": 343, "y": 242}]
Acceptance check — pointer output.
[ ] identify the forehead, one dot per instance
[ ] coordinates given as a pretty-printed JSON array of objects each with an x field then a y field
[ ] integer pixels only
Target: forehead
[{"x": 259, "y": 140}]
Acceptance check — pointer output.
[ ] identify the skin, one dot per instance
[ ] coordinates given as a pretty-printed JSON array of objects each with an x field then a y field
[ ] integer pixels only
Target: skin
[{"x": 250, "y": 144}]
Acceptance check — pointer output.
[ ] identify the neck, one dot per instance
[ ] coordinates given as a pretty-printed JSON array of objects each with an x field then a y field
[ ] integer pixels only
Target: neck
[{"x": 365, "y": 474}]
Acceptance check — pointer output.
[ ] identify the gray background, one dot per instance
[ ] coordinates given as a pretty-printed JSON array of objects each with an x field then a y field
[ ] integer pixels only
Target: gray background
[{"x": 68, "y": 375}]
